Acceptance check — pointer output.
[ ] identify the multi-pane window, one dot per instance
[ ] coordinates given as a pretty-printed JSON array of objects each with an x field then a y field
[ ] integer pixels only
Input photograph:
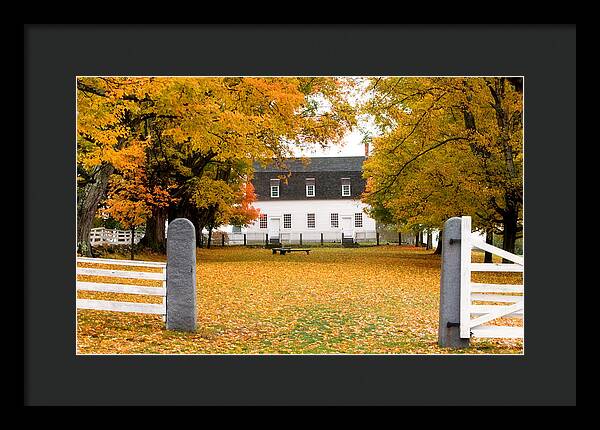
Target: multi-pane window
[
  {"x": 335, "y": 222},
  {"x": 345, "y": 187},
  {"x": 358, "y": 220},
  {"x": 274, "y": 190},
  {"x": 310, "y": 220},
  {"x": 236, "y": 229},
  {"x": 263, "y": 221},
  {"x": 310, "y": 187},
  {"x": 287, "y": 220}
]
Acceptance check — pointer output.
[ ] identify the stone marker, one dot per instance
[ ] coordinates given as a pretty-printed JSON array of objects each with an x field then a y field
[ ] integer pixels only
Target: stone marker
[
  {"x": 181, "y": 275},
  {"x": 450, "y": 287}
]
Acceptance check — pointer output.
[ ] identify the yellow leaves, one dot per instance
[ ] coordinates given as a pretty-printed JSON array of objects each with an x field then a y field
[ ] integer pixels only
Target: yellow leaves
[
  {"x": 128, "y": 158},
  {"x": 230, "y": 116},
  {"x": 443, "y": 150}
]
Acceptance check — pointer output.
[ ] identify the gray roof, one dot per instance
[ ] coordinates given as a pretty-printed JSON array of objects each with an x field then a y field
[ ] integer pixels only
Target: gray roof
[{"x": 316, "y": 164}]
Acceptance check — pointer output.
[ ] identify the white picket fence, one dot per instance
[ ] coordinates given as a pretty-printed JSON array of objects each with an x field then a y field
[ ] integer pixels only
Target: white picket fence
[
  {"x": 473, "y": 318},
  {"x": 118, "y": 306},
  {"x": 107, "y": 236}
]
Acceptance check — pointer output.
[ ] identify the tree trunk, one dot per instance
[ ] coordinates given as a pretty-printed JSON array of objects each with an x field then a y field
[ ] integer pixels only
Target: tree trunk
[
  {"x": 489, "y": 239},
  {"x": 199, "y": 235},
  {"x": 509, "y": 234},
  {"x": 513, "y": 197},
  {"x": 429, "y": 239},
  {"x": 210, "y": 229},
  {"x": 154, "y": 238},
  {"x": 88, "y": 198},
  {"x": 132, "y": 240},
  {"x": 438, "y": 250}
]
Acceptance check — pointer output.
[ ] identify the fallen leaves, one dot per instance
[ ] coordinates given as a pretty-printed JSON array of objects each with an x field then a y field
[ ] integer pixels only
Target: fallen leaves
[{"x": 378, "y": 300}]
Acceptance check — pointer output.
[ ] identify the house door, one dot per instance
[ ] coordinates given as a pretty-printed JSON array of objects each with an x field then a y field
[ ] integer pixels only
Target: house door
[
  {"x": 347, "y": 226},
  {"x": 274, "y": 228}
]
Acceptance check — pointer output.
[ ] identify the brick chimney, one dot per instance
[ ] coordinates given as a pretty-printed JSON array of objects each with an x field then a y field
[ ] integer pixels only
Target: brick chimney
[{"x": 366, "y": 148}]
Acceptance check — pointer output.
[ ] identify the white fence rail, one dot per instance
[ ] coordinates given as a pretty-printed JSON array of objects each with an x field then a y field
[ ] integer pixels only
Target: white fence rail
[
  {"x": 473, "y": 317},
  {"x": 107, "y": 236},
  {"x": 365, "y": 236},
  {"x": 119, "y": 306},
  {"x": 296, "y": 238}
]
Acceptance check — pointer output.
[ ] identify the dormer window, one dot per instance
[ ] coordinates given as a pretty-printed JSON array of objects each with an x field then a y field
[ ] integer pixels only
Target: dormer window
[
  {"x": 346, "y": 191},
  {"x": 274, "y": 188},
  {"x": 310, "y": 187}
]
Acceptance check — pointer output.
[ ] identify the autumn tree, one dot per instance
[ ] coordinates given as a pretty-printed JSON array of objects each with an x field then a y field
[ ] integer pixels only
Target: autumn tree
[
  {"x": 448, "y": 147},
  {"x": 205, "y": 134},
  {"x": 224, "y": 125},
  {"x": 131, "y": 196},
  {"x": 110, "y": 114}
]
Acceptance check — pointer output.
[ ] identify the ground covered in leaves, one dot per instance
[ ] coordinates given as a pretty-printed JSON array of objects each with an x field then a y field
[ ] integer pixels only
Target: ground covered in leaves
[{"x": 371, "y": 300}]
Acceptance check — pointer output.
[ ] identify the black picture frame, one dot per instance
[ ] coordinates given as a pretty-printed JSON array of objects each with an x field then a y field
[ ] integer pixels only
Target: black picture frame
[{"x": 55, "y": 54}]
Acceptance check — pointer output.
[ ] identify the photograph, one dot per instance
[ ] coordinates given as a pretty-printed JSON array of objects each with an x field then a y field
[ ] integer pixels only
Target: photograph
[{"x": 299, "y": 215}]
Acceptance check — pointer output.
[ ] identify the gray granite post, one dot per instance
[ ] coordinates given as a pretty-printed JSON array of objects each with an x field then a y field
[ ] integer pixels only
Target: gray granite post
[
  {"x": 181, "y": 275},
  {"x": 449, "y": 331}
]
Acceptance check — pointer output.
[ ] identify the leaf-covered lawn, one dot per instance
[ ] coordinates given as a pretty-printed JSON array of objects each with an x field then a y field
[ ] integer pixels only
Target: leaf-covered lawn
[{"x": 376, "y": 300}]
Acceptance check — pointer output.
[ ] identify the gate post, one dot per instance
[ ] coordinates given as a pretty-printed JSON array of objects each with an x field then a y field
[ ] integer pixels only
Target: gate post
[
  {"x": 181, "y": 275},
  {"x": 449, "y": 329}
]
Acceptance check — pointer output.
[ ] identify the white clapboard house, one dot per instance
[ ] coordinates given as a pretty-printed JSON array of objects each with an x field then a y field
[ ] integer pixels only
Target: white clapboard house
[{"x": 319, "y": 200}]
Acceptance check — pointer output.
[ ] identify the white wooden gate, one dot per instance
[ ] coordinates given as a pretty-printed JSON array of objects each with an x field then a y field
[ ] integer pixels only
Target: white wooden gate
[
  {"x": 118, "y": 306},
  {"x": 473, "y": 318},
  {"x": 104, "y": 236}
]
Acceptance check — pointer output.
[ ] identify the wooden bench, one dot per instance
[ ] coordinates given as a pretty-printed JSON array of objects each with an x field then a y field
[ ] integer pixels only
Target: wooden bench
[{"x": 283, "y": 251}]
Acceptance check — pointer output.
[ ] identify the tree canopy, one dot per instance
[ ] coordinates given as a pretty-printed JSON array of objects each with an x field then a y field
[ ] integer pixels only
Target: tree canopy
[
  {"x": 167, "y": 147},
  {"x": 447, "y": 147}
]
